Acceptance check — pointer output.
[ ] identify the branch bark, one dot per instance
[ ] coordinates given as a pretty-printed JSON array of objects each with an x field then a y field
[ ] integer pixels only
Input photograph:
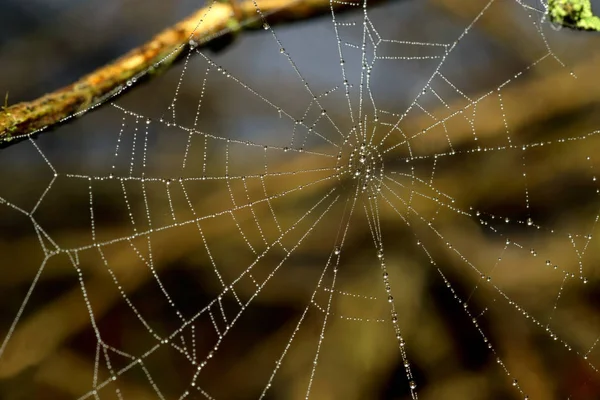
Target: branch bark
[{"x": 214, "y": 25}]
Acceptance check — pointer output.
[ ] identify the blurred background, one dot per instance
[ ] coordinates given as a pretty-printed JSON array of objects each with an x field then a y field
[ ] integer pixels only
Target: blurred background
[{"x": 491, "y": 247}]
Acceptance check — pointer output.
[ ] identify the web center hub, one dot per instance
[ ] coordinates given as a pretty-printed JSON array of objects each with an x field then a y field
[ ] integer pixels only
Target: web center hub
[{"x": 363, "y": 164}]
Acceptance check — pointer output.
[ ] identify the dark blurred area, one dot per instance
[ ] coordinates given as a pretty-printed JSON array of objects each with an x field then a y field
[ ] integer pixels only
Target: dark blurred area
[{"x": 489, "y": 219}]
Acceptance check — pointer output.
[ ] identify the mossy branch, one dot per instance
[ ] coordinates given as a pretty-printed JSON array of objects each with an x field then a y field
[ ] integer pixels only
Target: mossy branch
[
  {"x": 213, "y": 26},
  {"x": 575, "y": 14}
]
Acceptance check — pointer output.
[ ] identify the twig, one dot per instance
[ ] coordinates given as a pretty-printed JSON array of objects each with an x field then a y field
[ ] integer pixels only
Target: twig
[{"x": 218, "y": 22}]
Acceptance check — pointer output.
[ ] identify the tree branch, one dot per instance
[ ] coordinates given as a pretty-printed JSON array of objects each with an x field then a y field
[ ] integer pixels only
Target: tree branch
[{"x": 213, "y": 26}]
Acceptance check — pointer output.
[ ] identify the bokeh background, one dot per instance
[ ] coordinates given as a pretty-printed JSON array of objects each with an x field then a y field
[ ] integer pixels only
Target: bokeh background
[{"x": 52, "y": 352}]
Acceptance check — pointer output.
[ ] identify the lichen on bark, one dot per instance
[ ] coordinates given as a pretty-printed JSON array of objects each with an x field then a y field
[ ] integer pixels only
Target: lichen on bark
[{"x": 576, "y": 14}]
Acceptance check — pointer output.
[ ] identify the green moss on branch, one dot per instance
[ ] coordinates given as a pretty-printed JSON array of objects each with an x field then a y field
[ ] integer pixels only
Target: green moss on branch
[{"x": 576, "y": 14}]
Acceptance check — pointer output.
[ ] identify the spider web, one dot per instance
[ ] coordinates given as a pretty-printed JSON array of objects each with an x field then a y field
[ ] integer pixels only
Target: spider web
[{"x": 365, "y": 223}]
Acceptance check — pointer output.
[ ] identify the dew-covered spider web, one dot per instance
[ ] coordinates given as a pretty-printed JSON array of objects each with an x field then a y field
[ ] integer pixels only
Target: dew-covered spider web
[{"x": 396, "y": 202}]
